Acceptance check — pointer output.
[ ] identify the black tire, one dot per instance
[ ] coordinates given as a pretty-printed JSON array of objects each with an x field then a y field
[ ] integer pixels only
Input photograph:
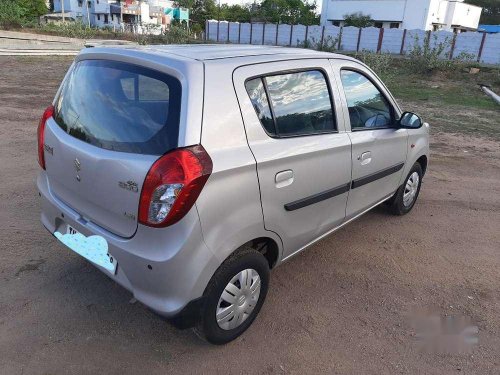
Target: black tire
[
  {"x": 247, "y": 258},
  {"x": 396, "y": 204}
]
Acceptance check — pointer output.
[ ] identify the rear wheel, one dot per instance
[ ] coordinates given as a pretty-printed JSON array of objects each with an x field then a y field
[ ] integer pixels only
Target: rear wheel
[
  {"x": 234, "y": 296},
  {"x": 403, "y": 201}
]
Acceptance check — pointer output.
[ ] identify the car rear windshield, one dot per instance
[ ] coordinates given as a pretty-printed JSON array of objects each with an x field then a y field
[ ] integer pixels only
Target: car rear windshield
[{"x": 119, "y": 106}]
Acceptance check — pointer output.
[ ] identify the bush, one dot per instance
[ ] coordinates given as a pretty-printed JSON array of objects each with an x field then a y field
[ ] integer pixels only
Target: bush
[
  {"x": 426, "y": 59},
  {"x": 17, "y": 13},
  {"x": 358, "y": 19},
  {"x": 329, "y": 44},
  {"x": 174, "y": 35},
  {"x": 380, "y": 63},
  {"x": 70, "y": 30},
  {"x": 11, "y": 14}
]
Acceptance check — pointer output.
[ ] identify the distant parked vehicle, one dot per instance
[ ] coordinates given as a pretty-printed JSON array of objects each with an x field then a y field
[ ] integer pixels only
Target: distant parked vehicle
[{"x": 186, "y": 173}]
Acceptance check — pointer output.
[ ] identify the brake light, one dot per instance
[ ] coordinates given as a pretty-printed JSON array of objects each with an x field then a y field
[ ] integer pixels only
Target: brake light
[
  {"x": 172, "y": 185},
  {"x": 49, "y": 112}
]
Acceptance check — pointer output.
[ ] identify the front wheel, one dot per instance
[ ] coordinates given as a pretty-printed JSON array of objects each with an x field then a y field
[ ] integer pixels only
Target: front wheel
[
  {"x": 234, "y": 296},
  {"x": 407, "y": 194}
]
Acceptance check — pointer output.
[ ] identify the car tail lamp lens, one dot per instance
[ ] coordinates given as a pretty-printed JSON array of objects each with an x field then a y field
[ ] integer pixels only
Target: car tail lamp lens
[
  {"x": 49, "y": 112},
  {"x": 172, "y": 186}
]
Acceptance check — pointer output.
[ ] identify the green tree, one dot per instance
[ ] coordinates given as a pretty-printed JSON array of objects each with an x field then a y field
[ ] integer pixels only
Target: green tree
[
  {"x": 184, "y": 3},
  {"x": 235, "y": 13},
  {"x": 11, "y": 15},
  {"x": 201, "y": 11},
  {"x": 358, "y": 19},
  {"x": 491, "y": 11},
  {"x": 15, "y": 13},
  {"x": 288, "y": 11},
  {"x": 32, "y": 8}
]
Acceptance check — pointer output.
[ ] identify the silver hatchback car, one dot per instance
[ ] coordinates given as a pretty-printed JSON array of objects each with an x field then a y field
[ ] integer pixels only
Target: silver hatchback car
[{"x": 186, "y": 173}]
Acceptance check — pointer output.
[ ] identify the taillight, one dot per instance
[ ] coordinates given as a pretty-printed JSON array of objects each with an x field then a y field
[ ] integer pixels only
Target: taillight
[
  {"x": 172, "y": 185},
  {"x": 49, "y": 112}
]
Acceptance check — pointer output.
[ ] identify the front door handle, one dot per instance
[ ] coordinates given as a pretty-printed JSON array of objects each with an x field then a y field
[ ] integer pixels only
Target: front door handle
[
  {"x": 365, "y": 158},
  {"x": 284, "y": 178}
]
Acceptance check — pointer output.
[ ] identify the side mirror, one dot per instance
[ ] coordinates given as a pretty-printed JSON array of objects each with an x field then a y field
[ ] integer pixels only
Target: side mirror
[{"x": 409, "y": 120}]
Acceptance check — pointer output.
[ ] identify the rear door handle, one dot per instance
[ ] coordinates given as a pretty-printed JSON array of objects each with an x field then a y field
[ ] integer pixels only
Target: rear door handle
[
  {"x": 365, "y": 158},
  {"x": 283, "y": 178}
]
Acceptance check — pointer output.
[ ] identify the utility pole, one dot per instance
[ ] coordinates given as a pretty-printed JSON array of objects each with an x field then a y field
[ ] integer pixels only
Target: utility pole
[
  {"x": 62, "y": 10},
  {"x": 88, "y": 14}
]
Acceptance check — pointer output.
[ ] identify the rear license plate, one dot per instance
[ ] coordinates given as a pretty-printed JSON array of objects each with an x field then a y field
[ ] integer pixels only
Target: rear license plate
[{"x": 93, "y": 248}]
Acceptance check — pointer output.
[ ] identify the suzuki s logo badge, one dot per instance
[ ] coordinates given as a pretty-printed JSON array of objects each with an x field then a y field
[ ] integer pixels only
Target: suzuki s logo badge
[{"x": 78, "y": 167}]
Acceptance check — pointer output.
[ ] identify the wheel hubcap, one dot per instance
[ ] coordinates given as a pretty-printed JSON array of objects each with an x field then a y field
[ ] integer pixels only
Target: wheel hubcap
[
  {"x": 238, "y": 299},
  {"x": 411, "y": 189}
]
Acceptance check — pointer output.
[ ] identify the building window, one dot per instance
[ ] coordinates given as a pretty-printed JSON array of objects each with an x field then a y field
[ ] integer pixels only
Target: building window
[
  {"x": 98, "y": 17},
  {"x": 336, "y": 23},
  {"x": 378, "y": 25},
  {"x": 105, "y": 18},
  {"x": 80, "y": 3},
  {"x": 394, "y": 25}
]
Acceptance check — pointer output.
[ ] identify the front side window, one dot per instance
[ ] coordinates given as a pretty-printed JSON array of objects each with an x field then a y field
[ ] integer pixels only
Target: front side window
[
  {"x": 299, "y": 103},
  {"x": 368, "y": 108}
]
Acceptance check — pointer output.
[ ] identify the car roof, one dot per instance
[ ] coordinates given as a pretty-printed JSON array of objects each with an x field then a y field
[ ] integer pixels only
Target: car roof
[{"x": 206, "y": 52}]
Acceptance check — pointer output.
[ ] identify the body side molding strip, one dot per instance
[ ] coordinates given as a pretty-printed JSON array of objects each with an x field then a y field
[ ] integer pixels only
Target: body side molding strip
[
  {"x": 317, "y": 197},
  {"x": 375, "y": 176},
  {"x": 307, "y": 201}
]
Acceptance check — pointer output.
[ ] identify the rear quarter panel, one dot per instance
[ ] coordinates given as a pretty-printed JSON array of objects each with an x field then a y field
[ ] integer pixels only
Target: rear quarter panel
[{"x": 229, "y": 206}]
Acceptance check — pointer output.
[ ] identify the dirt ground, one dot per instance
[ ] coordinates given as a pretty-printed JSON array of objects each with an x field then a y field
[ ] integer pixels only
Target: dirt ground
[{"x": 343, "y": 306}]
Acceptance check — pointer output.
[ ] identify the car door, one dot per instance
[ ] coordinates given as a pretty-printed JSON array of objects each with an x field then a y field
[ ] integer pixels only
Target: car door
[
  {"x": 302, "y": 151},
  {"x": 378, "y": 149}
]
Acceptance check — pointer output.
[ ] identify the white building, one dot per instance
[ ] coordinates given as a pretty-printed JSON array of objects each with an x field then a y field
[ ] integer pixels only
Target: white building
[
  {"x": 109, "y": 13},
  {"x": 450, "y": 15},
  {"x": 93, "y": 12}
]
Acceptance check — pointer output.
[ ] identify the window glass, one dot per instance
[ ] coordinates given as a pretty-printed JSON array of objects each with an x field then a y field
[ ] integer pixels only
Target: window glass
[
  {"x": 152, "y": 89},
  {"x": 368, "y": 108},
  {"x": 128, "y": 87},
  {"x": 301, "y": 103},
  {"x": 119, "y": 106},
  {"x": 257, "y": 93}
]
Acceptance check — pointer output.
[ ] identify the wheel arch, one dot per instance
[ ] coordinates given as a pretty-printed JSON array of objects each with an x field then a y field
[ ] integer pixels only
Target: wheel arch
[
  {"x": 267, "y": 246},
  {"x": 422, "y": 160}
]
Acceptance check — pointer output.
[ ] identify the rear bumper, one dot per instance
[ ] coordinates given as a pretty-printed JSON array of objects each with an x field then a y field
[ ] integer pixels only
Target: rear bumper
[{"x": 165, "y": 268}]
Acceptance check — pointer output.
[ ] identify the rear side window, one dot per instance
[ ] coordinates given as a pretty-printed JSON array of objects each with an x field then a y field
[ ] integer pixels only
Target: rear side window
[
  {"x": 121, "y": 107},
  {"x": 299, "y": 103},
  {"x": 257, "y": 92}
]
